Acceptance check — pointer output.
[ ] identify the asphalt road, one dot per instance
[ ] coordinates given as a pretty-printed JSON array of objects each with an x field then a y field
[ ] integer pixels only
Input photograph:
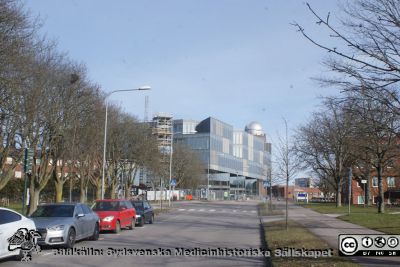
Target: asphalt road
[{"x": 192, "y": 227}]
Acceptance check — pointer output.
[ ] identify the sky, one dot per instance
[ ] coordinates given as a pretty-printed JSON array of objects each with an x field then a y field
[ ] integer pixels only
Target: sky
[{"x": 234, "y": 60}]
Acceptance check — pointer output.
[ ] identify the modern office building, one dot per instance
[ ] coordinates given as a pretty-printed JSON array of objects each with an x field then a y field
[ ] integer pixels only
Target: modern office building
[{"x": 237, "y": 161}]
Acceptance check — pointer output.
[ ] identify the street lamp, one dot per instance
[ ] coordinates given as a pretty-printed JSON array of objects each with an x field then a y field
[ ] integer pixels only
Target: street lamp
[{"x": 142, "y": 88}]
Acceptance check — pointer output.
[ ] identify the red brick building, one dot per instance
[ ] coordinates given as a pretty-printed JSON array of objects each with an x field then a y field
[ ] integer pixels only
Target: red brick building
[{"x": 391, "y": 187}]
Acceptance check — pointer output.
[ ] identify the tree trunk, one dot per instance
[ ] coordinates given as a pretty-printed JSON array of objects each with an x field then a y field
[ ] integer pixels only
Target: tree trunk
[
  {"x": 338, "y": 196},
  {"x": 82, "y": 190},
  {"x": 367, "y": 190},
  {"x": 98, "y": 191},
  {"x": 287, "y": 204},
  {"x": 33, "y": 196},
  {"x": 127, "y": 189},
  {"x": 82, "y": 194},
  {"x": 59, "y": 185},
  {"x": 113, "y": 187},
  {"x": 381, "y": 202},
  {"x": 4, "y": 180}
]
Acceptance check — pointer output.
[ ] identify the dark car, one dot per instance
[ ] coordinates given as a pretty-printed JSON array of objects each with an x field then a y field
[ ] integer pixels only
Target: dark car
[{"x": 144, "y": 212}]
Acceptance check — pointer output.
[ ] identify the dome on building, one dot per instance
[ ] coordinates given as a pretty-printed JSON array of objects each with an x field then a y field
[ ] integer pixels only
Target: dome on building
[{"x": 254, "y": 128}]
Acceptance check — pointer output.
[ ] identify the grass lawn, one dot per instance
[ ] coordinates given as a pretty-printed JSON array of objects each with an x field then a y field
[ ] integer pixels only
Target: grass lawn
[
  {"x": 331, "y": 208},
  {"x": 298, "y": 237},
  {"x": 387, "y": 223},
  {"x": 367, "y": 217}
]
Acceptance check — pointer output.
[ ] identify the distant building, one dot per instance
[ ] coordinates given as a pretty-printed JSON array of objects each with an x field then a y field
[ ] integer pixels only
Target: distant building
[
  {"x": 161, "y": 125},
  {"x": 237, "y": 162},
  {"x": 303, "y": 182}
]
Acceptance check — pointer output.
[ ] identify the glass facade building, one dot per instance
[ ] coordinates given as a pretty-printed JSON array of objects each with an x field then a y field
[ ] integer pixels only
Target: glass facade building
[{"x": 237, "y": 161}]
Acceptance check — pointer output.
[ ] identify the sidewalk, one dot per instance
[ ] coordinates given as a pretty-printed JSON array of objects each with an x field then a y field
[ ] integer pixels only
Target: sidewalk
[{"x": 328, "y": 228}]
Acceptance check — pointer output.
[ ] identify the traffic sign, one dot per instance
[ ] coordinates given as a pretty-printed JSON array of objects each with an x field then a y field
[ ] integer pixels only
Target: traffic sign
[
  {"x": 28, "y": 160},
  {"x": 173, "y": 182}
]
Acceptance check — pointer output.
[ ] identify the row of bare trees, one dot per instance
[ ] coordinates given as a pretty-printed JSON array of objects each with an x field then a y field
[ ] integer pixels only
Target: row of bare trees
[
  {"x": 360, "y": 127},
  {"x": 48, "y": 104}
]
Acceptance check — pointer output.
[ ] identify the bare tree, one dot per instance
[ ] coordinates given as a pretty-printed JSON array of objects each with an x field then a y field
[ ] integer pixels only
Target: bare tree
[
  {"x": 364, "y": 51},
  {"x": 375, "y": 140},
  {"x": 323, "y": 146},
  {"x": 187, "y": 168},
  {"x": 286, "y": 164}
]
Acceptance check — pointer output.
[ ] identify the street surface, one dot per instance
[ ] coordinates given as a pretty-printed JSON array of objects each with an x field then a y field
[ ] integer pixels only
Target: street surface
[{"x": 190, "y": 225}]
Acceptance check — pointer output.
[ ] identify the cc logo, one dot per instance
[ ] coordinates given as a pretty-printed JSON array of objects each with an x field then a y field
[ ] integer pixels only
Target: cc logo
[{"x": 348, "y": 245}]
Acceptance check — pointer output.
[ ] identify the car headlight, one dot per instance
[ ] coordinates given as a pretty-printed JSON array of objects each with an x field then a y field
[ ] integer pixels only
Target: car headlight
[
  {"x": 138, "y": 216},
  {"x": 59, "y": 227},
  {"x": 108, "y": 219}
]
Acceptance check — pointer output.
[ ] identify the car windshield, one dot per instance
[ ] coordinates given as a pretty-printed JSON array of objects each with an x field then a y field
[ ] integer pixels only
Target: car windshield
[
  {"x": 138, "y": 205},
  {"x": 54, "y": 211},
  {"x": 106, "y": 206}
]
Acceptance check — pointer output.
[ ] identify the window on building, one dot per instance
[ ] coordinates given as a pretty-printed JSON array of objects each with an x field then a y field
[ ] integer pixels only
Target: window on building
[
  {"x": 391, "y": 182},
  {"x": 375, "y": 182},
  {"x": 360, "y": 200}
]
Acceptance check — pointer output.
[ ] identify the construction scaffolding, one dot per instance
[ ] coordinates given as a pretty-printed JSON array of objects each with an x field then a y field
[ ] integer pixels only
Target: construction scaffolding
[{"x": 162, "y": 128}]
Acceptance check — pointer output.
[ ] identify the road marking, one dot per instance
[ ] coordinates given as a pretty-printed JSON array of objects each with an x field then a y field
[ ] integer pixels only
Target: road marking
[
  {"x": 211, "y": 210},
  {"x": 47, "y": 253},
  {"x": 181, "y": 209},
  {"x": 191, "y": 209},
  {"x": 234, "y": 210},
  {"x": 201, "y": 210},
  {"x": 245, "y": 211},
  {"x": 253, "y": 211}
]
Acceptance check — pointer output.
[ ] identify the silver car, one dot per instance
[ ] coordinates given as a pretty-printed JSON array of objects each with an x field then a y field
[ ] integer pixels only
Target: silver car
[{"x": 65, "y": 223}]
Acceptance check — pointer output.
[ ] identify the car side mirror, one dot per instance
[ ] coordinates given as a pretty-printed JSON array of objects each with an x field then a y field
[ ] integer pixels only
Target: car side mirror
[{"x": 80, "y": 215}]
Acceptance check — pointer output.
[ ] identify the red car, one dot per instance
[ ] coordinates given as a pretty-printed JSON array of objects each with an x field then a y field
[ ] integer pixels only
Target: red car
[{"x": 115, "y": 214}]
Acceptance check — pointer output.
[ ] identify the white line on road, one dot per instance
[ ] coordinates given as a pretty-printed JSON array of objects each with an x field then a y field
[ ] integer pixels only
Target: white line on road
[
  {"x": 201, "y": 209},
  {"x": 191, "y": 209},
  {"x": 245, "y": 211},
  {"x": 253, "y": 211},
  {"x": 181, "y": 209},
  {"x": 211, "y": 210}
]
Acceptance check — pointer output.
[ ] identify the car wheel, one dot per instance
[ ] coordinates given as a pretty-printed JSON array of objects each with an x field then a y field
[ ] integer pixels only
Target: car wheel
[
  {"x": 152, "y": 219},
  {"x": 117, "y": 227},
  {"x": 71, "y": 238},
  {"x": 133, "y": 223},
  {"x": 96, "y": 233}
]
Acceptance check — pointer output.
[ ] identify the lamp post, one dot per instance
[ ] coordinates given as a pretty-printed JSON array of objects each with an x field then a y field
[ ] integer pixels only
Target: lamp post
[
  {"x": 208, "y": 177},
  {"x": 170, "y": 165},
  {"x": 142, "y": 88}
]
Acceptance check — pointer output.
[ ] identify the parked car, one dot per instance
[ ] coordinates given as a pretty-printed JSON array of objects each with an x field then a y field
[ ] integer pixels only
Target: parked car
[
  {"x": 115, "y": 214},
  {"x": 10, "y": 223},
  {"x": 144, "y": 212},
  {"x": 65, "y": 223}
]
